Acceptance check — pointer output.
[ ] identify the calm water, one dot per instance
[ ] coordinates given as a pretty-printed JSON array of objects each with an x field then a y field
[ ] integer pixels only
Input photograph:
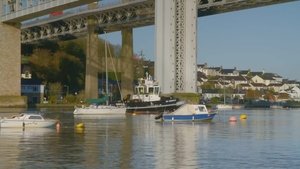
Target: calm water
[{"x": 267, "y": 139}]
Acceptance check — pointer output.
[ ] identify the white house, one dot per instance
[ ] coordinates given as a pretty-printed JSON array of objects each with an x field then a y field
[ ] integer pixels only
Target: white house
[
  {"x": 294, "y": 93},
  {"x": 264, "y": 79}
]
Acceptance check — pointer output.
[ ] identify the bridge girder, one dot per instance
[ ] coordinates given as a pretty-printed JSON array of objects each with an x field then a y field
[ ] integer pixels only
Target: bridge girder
[
  {"x": 108, "y": 19},
  {"x": 131, "y": 14}
]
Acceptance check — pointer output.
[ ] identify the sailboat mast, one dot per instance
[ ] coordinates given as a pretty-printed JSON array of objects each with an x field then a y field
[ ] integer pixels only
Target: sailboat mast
[
  {"x": 106, "y": 72},
  {"x": 224, "y": 90}
]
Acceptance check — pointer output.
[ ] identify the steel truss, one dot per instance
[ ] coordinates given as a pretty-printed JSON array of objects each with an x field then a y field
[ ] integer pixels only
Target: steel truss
[
  {"x": 179, "y": 44},
  {"x": 134, "y": 14},
  {"x": 108, "y": 19}
]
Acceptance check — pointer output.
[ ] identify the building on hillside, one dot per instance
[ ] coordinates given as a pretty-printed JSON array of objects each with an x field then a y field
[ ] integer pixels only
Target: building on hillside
[
  {"x": 33, "y": 89},
  {"x": 244, "y": 72},
  {"x": 275, "y": 77},
  {"x": 211, "y": 71},
  {"x": 275, "y": 86},
  {"x": 263, "y": 79},
  {"x": 258, "y": 86},
  {"x": 234, "y": 80},
  {"x": 294, "y": 93},
  {"x": 252, "y": 74},
  {"x": 245, "y": 86},
  {"x": 290, "y": 83},
  {"x": 229, "y": 72}
]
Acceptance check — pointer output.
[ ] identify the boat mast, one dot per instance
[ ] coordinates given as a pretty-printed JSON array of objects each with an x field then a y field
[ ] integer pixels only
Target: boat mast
[
  {"x": 106, "y": 73},
  {"x": 224, "y": 90}
]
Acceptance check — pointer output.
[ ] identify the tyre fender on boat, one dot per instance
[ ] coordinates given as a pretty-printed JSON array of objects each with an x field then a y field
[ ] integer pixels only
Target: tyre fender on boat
[{"x": 159, "y": 116}]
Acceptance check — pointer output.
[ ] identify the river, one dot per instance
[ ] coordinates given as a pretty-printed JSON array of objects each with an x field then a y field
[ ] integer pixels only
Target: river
[{"x": 267, "y": 139}]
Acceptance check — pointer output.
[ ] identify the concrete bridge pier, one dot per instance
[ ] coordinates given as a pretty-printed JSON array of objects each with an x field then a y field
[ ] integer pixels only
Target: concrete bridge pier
[
  {"x": 10, "y": 66},
  {"x": 92, "y": 61},
  {"x": 127, "y": 62}
]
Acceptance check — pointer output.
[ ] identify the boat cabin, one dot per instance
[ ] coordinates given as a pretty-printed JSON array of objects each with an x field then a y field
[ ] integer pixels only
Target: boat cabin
[
  {"x": 29, "y": 117},
  {"x": 146, "y": 90}
]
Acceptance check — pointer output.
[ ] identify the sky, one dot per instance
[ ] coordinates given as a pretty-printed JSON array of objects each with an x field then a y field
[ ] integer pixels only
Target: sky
[{"x": 261, "y": 39}]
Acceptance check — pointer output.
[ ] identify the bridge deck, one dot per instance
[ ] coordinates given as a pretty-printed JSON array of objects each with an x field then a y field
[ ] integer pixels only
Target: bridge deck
[
  {"x": 20, "y": 10},
  {"x": 134, "y": 13}
]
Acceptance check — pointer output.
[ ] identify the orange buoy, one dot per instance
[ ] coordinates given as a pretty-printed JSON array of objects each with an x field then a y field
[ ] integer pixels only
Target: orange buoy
[
  {"x": 232, "y": 119},
  {"x": 58, "y": 125}
]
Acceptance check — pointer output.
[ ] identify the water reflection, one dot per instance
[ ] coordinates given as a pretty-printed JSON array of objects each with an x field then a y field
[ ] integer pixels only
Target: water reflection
[
  {"x": 98, "y": 136},
  {"x": 177, "y": 144},
  {"x": 140, "y": 142},
  {"x": 18, "y": 142}
]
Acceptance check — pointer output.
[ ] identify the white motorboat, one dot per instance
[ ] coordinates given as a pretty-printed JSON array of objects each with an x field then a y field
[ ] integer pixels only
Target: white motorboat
[{"x": 27, "y": 121}]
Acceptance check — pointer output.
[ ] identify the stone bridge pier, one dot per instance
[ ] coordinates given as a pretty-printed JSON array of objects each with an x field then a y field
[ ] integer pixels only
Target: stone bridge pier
[{"x": 10, "y": 66}]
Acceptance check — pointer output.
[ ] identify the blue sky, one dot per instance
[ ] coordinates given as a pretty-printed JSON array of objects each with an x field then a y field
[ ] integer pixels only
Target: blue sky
[{"x": 261, "y": 39}]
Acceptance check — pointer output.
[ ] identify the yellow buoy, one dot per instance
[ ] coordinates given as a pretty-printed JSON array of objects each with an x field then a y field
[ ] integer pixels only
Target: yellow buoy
[
  {"x": 79, "y": 125},
  {"x": 243, "y": 116}
]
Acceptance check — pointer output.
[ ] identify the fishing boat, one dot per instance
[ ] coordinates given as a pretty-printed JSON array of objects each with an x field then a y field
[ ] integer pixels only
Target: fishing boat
[
  {"x": 147, "y": 99},
  {"x": 25, "y": 120},
  {"x": 95, "y": 108},
  {"x": 188, "y": 112}
]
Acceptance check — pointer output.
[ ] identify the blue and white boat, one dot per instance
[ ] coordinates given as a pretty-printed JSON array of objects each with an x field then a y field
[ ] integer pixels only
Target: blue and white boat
[{"x": 188, "y": 112}]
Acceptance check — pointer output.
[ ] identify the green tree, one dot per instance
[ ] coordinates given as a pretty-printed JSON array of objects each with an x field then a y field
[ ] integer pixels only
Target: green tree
[
  {"x": 283, "y": 96},
  {"x": 269, "y": 95},
  {"x": 54, "y": 92},
  {"x": 208, "y": 85},
  {"x": 252, "y": 94},
  {"x": 45, "y": 65}
]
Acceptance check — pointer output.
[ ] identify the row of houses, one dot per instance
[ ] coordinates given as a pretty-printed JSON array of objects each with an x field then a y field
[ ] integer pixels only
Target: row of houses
[
  {"x": 240, "y": 80},
  {"x": 246, "y": 79}
]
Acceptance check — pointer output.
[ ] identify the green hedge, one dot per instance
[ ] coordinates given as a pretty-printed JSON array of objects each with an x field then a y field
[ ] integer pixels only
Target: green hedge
[{"x": 188, "y": 97}]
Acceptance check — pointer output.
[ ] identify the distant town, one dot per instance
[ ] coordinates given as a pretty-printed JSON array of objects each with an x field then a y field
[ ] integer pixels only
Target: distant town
[
  {"x": 233, "y": 85},
  {"x": 214, "y": 85}
]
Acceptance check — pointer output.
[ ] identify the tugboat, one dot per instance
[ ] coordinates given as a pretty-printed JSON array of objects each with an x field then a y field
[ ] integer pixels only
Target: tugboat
[{"x": 146, "y": 98}]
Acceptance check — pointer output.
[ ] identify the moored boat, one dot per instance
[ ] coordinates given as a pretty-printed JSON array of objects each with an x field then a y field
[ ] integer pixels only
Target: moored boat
[
  {"x": 224, "y": 106},
  {"x": 146, "y": 98},
  {"x": 100, "y": 110},
  {"x": 27, "y": 120},
  {"x": 97, "y": 109},
  {"x": 188, "y": 112}
]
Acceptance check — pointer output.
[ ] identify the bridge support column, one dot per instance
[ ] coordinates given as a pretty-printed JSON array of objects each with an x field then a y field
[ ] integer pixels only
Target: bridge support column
[
  {"x": 127, "y": 61},
  {"x": 92, "y": 61},
  {"x": 10, "y": 67},
  {"x": 176, "y": 27}
]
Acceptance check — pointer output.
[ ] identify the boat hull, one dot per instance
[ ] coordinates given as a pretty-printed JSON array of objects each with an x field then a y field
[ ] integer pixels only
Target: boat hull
[
  {"x": 100, "y": 111},
  {"x": 152, "y": 108},
  {"x": 195, "y": 117},
  {"x": 10, "y": 123}
]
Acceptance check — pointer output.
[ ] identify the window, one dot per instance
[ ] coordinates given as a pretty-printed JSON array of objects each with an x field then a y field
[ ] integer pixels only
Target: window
[
  {"x": 35, "y": 117},
  {"x": 151, "y": 90}
]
